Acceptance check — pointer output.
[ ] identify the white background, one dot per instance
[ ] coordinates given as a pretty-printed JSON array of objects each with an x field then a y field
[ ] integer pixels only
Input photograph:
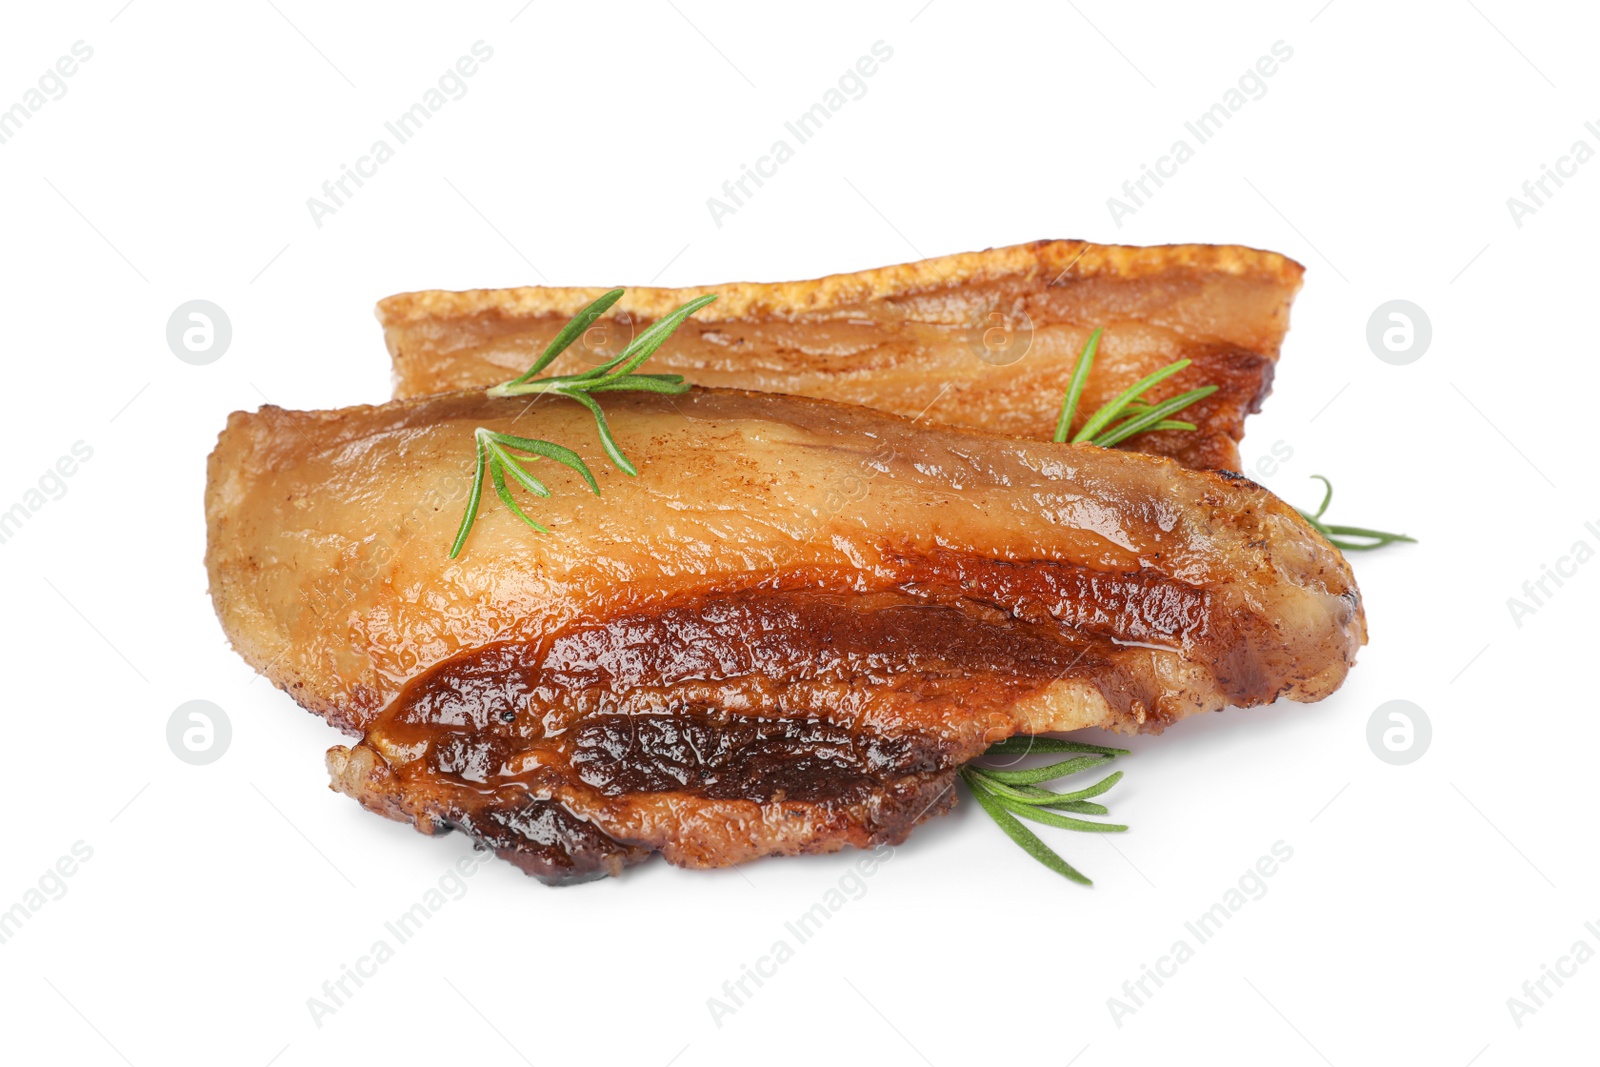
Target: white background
[{"x": 219, "y": 898}]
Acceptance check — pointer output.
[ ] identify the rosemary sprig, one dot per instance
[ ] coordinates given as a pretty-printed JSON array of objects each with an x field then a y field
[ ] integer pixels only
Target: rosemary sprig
[
  {"x": 503, "y": 454},
  {"x": 1141, "y": 414},
  {"x": 1336, "y": 534},
  {"x": 1007, "y": 794}
]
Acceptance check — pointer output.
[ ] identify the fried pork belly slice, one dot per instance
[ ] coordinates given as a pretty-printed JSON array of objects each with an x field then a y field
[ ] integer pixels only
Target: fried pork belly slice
[
  {"x": 984, "y": 340},
  {"x": 783, "y": 636}
]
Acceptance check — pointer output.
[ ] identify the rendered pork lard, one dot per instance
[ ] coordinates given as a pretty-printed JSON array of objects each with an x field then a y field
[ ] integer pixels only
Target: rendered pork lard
[
  {"x": 984, "y": 340},
  {"x": 718, "y": 659}
]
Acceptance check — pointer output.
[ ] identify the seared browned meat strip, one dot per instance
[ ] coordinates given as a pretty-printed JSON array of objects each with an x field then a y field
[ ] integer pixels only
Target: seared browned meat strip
[
  {"x": 984, "y": 340},
  {"x": 728, "y": 656}
]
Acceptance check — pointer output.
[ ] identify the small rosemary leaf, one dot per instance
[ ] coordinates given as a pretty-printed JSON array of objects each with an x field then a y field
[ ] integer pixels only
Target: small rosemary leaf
[
  {"x": 1024, "y": 745},
  {"x": 1327, "y": 495},
  {"x": 1174, "y": 424},
  {"x": 640, "y": 383},
  {"x": 495, "y": 451},
  {"x": 1015, "y": 792},
  {"x": 643, "y": 346},
  {"x": 473, "y": 498},
  {"x": 550, "y": 450},
  {"x": 521, "y": 444},
  {"x": 506, "y": 463},
  {"x": 505, "y": 495},
  {"x": 1061, "y": 822},
  {"x": 608, "y": 442},
  {"x": 570, "y": 333},
  {"x": 1353, "y": 546},
  {"x": 672, "y": 379},
  {"x": 1044, "y": 798},
  {"x": 1333, "y": 536},
  {"x": 1025, "y": 838},
  {"x": 1048, "y": 798},
  {"x": 549, "y": 383},
  {"x": 1103, "y": 418},
  {"x": 1314, "y": 522},
  {"x": 1037, "y": 813},
  {"x": 1152, "y": 415},
  {"x": 1080, "y": 375},
  {"x": 1046, "y": 773},
  {"x": 1082, "y": 807},
  {"x": 1336, "y": 535},
  {"x": 1379, "y": 535}
]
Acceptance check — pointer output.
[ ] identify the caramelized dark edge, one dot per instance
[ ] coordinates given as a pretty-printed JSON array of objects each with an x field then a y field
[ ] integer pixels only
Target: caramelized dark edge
[{"x": 841, "y": 717}]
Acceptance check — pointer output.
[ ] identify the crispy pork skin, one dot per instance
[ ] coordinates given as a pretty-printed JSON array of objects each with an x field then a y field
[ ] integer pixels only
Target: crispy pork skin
[
  {"x": 783, "y": 636},
  {"x": 984, "y": 340}
]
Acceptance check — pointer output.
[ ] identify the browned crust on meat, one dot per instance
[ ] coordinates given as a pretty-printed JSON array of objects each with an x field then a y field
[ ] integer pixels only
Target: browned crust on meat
[
  {"x": 741, "y": 300},
  {"x": 328, "y": 533},
  {"x": 914, "y": 339},
  {"x": 993, "y": 586}
]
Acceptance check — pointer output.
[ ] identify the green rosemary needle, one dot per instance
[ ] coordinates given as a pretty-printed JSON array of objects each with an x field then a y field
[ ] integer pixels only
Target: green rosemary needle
[
  {"x": 502, "y": 455},
  {"x": 1007, "y": 794},
  {"x": 1141, "y": 415},
  {"x": 1338, "y": 535}
]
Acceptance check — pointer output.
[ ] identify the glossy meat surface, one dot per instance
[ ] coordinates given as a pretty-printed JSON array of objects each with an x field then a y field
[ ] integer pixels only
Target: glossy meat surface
[
  {"x": 784, "y": 636},
  {"x": 984, "y": 340}
]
